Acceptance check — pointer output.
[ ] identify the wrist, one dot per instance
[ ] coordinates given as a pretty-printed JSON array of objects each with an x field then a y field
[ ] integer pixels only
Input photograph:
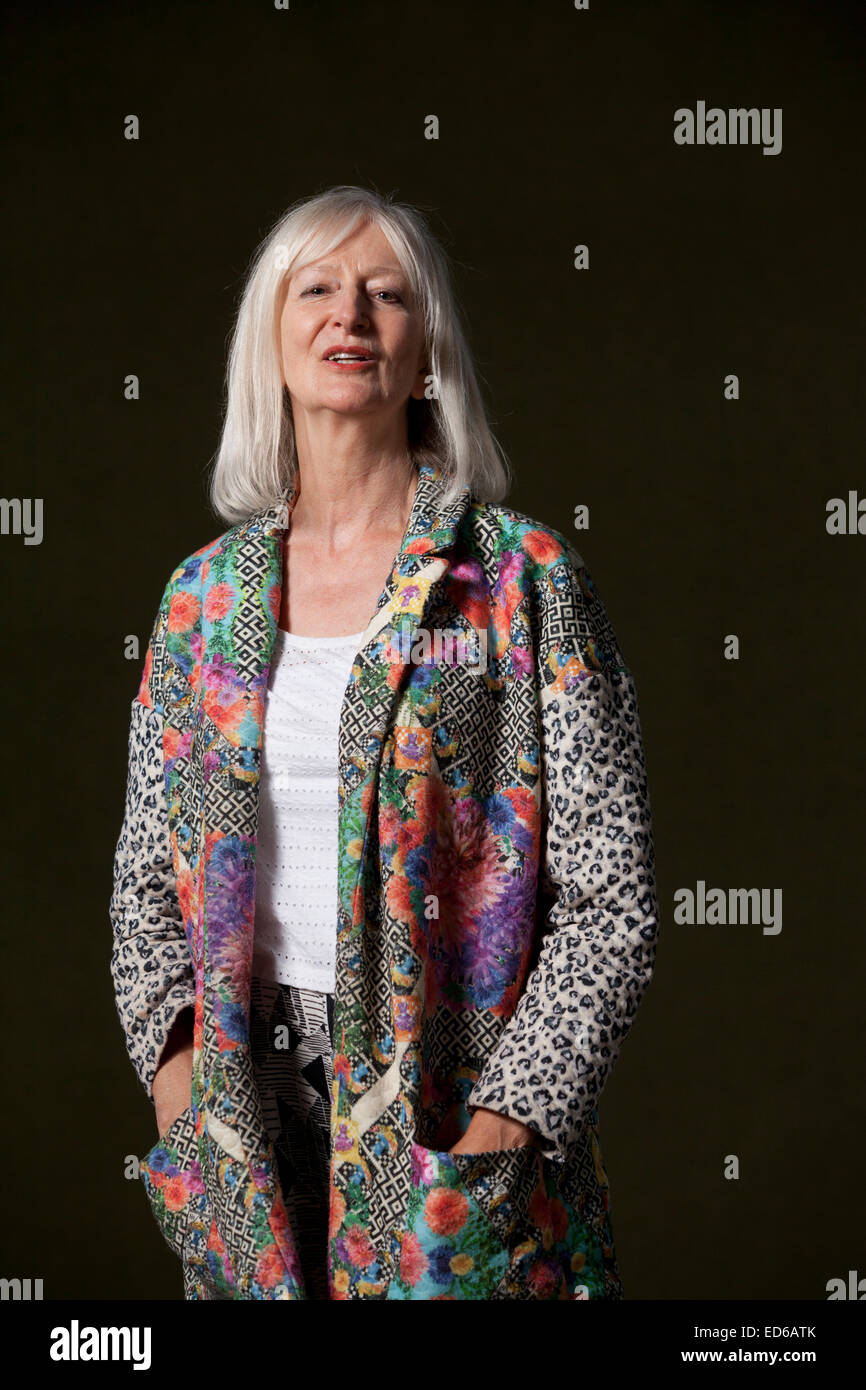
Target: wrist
[
  {"x": 180, "y": 1036},
  {"x": 490, "y": 1130}
]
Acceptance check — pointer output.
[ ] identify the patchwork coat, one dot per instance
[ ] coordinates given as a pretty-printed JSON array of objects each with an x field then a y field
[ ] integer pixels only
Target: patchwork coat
[{"x": 496, "y": 919}]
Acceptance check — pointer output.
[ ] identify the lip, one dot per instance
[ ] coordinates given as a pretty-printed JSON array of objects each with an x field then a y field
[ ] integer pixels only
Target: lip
[
  {"x": 349, "y": 366},
  {"x": 348, "y": 347}
]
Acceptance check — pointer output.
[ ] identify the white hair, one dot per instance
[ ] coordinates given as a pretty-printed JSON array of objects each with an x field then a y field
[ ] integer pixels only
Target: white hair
[{"x": 257, "y": 457}]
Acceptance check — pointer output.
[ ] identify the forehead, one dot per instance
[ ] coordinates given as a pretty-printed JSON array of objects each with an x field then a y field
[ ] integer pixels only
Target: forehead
[
  {"x": 333, "y": 264},
  {"x": 336, "y": 267},
  {"x": 367, "y": 249}
]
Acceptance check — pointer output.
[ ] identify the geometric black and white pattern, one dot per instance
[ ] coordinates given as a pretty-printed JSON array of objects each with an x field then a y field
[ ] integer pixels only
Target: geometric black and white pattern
[{"x": 291, "y": 1038}]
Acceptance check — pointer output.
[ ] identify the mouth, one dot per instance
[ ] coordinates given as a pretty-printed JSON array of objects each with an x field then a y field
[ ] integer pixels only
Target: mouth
[
  {"x": 349, "y": 361},
  {"x": 349, "y": 364}
]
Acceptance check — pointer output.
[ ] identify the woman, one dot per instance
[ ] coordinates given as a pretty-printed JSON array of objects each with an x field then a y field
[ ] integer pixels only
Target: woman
[{"x": 384, "y": 904}]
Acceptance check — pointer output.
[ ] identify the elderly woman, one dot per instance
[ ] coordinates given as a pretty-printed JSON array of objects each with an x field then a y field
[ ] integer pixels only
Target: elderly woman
[{"x": 383, "y": 904}]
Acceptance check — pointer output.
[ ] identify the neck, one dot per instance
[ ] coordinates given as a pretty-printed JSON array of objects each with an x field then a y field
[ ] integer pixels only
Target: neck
[{"x": 347, "y": 499}]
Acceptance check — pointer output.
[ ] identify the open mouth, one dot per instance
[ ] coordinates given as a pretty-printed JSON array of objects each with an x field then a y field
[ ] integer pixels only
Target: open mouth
[{"x": 348, "y": 359}]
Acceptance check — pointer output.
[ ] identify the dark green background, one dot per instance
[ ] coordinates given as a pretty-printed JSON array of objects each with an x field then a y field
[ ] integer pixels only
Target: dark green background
[{"x": 605, "y": 387}]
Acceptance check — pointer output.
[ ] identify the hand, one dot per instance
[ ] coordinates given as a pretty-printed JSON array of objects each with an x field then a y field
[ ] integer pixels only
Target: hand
[
  {"x": 490, "y": 1130},
  {"x": 172, "y": 1084}
]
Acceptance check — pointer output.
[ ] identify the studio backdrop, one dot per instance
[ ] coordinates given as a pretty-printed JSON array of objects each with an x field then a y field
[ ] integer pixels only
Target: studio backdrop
[{"x": 654, "y": 219}]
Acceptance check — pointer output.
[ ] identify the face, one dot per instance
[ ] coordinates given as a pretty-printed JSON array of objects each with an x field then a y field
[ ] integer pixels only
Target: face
[{"x": 356, "y": 298}]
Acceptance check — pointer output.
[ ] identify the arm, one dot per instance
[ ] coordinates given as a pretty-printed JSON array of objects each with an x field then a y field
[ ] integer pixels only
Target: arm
[
  {"x": 172, "y": 1084},
  {"x": 151, "y": 969},
  {"x": 597, "y": 947}
]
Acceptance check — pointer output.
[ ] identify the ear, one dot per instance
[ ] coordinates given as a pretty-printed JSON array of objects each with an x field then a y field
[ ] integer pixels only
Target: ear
[{"x": 420, "y": 386}]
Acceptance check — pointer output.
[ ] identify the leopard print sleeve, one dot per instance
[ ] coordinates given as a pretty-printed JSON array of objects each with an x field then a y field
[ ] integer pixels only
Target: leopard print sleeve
[
  {"x": 151, "y": 967},
  {"x": 597, "y": 944}
]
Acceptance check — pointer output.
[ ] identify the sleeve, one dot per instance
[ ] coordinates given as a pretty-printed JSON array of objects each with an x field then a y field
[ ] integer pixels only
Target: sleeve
[
  {"x": 151, "y": 967},
  {"x": 596, "y": 950}
]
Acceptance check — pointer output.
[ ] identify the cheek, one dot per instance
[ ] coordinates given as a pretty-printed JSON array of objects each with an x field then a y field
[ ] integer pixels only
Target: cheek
[
  {"x": 403, "y": 367},
  {"x": 286, "y": 355},
  {"x": 296, "y": 354}
]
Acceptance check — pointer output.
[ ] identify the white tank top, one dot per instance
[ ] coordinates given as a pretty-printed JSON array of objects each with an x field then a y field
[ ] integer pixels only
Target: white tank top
[{"x": 295, "y": 938}]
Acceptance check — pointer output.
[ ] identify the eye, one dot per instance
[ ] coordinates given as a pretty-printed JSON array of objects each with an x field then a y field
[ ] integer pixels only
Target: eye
[{"x": 312, "y": 289}]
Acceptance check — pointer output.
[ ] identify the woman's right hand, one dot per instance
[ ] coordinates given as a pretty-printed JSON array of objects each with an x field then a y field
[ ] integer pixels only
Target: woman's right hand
[{"x": 172, "y": 1084}]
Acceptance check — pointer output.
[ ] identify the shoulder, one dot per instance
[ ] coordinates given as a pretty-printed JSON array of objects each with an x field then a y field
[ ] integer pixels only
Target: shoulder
[
  {"x": 548, "y": 580},
  {"x": 192, "y": 577},
  {"x": 175, "y": 643},
  {"x": 190, "y": 573},
  {"x": 495, "y": 532}
]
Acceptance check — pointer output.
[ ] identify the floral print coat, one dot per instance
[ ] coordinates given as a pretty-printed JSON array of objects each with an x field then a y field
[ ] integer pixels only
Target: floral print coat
[{"x": 496, "y": 918}]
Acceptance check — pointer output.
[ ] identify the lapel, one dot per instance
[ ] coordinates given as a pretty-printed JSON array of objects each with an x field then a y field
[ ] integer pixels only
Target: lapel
[{"x": 240, "y": 599}]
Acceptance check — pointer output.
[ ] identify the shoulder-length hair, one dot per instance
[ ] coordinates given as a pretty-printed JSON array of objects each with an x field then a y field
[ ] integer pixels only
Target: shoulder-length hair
[{"x": 257, "y": 458}]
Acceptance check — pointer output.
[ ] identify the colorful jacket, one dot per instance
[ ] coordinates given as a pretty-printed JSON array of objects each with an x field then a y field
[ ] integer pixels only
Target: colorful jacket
[{"x": 496, "y": 918}]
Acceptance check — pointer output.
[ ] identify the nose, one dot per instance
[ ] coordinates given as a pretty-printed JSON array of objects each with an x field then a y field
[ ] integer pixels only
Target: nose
[{"x": 349, "y": 309}]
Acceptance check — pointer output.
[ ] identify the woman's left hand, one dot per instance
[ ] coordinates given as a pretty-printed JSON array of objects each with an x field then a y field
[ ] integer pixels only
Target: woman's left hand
[{"x": 489, "y": 1130}]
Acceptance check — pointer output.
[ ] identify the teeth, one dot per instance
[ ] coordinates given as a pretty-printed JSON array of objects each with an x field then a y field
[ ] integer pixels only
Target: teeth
[{"x": 347, "y": 357}]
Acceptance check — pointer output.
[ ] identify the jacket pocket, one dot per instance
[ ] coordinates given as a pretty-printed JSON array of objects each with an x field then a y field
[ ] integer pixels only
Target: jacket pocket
[
  {"x": 454, "y": 1243},
  {"x": 173, "y": 1180},
  {"x": 504, "y": 1224}
]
